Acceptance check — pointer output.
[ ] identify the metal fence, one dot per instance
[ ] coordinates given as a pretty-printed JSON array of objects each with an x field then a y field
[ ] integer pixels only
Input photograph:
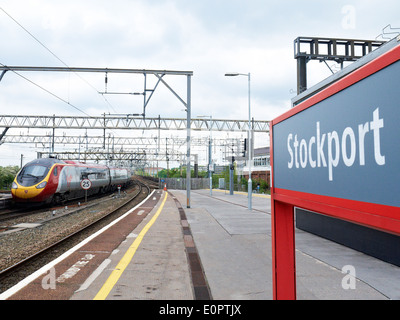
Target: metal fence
[{"x": 180, "y": 183}]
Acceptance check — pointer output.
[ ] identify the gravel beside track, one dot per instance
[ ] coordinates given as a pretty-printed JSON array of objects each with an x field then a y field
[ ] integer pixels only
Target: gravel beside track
[{"x": 19, "y": 245}]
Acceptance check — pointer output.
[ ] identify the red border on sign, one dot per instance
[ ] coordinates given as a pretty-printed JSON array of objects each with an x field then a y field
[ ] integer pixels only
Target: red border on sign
[
  {"x": 90, "y": 184},
  {"x": 382, "y": 217},
  {"x": 283, "y": 201}
]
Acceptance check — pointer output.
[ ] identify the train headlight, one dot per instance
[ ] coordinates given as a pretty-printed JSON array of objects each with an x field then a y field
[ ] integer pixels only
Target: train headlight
[
  {"x": 41, "y": 185},
  {"x": 14, "y": 186}
]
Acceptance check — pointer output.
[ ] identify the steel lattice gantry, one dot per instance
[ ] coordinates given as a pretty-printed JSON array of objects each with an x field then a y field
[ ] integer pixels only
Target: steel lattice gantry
[
  {"x": 124, "y": 155},
  {"x": 98, "y": 140},
  {"x": 128, "y": 122},
  {"x": 328, "y": 49}
]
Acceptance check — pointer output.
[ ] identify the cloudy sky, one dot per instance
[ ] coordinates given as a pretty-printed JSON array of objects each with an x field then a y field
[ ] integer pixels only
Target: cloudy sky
[{"x": 208, "y": 37}]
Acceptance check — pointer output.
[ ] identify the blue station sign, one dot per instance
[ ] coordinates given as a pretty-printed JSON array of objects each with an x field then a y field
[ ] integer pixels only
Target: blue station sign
[{"x": 343, "y": 143}]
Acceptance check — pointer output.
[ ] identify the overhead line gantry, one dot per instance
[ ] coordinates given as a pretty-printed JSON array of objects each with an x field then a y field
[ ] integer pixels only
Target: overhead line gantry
[
  {"x": 159, "y": 74},
  {"x": 129, "y": 122}
]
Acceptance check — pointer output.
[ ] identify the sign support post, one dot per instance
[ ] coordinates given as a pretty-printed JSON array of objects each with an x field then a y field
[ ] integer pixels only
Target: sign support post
[
  {"x": 283, "y": 251},
  {"x": 86, "y": 184}
]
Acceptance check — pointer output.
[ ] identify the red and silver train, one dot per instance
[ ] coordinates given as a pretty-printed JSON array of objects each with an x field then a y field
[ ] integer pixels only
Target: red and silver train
[{"x": 50, "y": 180}]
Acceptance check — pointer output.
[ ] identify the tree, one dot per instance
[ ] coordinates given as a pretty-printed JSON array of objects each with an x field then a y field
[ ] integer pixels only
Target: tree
[{"x": 7, "y": 176}]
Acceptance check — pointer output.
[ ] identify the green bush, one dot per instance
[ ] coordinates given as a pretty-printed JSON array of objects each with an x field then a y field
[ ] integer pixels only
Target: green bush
[{"x": 7, "y": 175}]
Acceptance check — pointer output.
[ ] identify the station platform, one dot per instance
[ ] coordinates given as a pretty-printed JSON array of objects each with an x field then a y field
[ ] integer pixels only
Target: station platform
[
  {"x": 234, "y": 244},
  {"x": 5, "y": 200},
  {"x": 215, "y": 250}
]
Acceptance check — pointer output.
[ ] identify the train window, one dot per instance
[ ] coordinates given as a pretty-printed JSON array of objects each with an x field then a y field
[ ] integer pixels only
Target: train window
[
  {"x": 55, "y": 171},
  {"x": 261, "y": 162},
  {"x": 35, "y": 171}
]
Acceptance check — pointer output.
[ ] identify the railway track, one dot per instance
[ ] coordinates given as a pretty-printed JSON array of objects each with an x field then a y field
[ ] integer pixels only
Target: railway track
[
  {"x": 12, "y": 213},
  {"x": 9, "y": 214},
  {"x": 58, "y": 237}
]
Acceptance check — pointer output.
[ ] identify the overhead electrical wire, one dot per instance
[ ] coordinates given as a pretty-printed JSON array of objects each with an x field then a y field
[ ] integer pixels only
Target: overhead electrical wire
[
  {"x": 46, "y": 90},
  {"x": 37, "y": 40},
  {"x": 54, "y": 55}
]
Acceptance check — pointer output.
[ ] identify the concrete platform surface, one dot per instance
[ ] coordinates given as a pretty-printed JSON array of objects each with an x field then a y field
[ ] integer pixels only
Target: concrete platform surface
[
  {"x": 234, "y": 244},
  {"x": 165, "y": 255},
  {"x": 159, "y": 268}
]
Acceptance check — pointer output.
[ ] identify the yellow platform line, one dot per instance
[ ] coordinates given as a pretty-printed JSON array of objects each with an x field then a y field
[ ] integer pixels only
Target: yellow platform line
[{"x": 126, "y": 259}]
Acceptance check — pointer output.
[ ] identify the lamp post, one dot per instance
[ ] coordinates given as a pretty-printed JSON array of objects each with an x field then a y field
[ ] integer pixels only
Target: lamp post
[
  {"x": 209, "y": 153},
  {"x": 250, "y": 186}
]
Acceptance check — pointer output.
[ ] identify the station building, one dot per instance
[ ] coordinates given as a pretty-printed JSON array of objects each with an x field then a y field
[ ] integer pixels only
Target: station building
[{"x": 261, "y": 167}]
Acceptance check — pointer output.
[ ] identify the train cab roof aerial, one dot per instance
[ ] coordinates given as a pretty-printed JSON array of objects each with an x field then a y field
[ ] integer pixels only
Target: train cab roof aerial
[{"x": 45, "y": 161}]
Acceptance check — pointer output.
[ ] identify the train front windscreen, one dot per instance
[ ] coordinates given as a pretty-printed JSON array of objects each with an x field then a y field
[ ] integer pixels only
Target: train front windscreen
[{"x": 32, "y": 174}]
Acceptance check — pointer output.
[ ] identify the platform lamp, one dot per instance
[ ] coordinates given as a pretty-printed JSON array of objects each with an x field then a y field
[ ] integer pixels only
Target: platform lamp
[{"x": 250, "y": 186}]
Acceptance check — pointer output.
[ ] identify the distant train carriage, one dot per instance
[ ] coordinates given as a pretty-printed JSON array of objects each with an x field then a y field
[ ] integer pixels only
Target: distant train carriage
[
  {"x": 119, "y": 177},
  {"x": 69, "y": 184},
  {"x": 52, "y": 180}
]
